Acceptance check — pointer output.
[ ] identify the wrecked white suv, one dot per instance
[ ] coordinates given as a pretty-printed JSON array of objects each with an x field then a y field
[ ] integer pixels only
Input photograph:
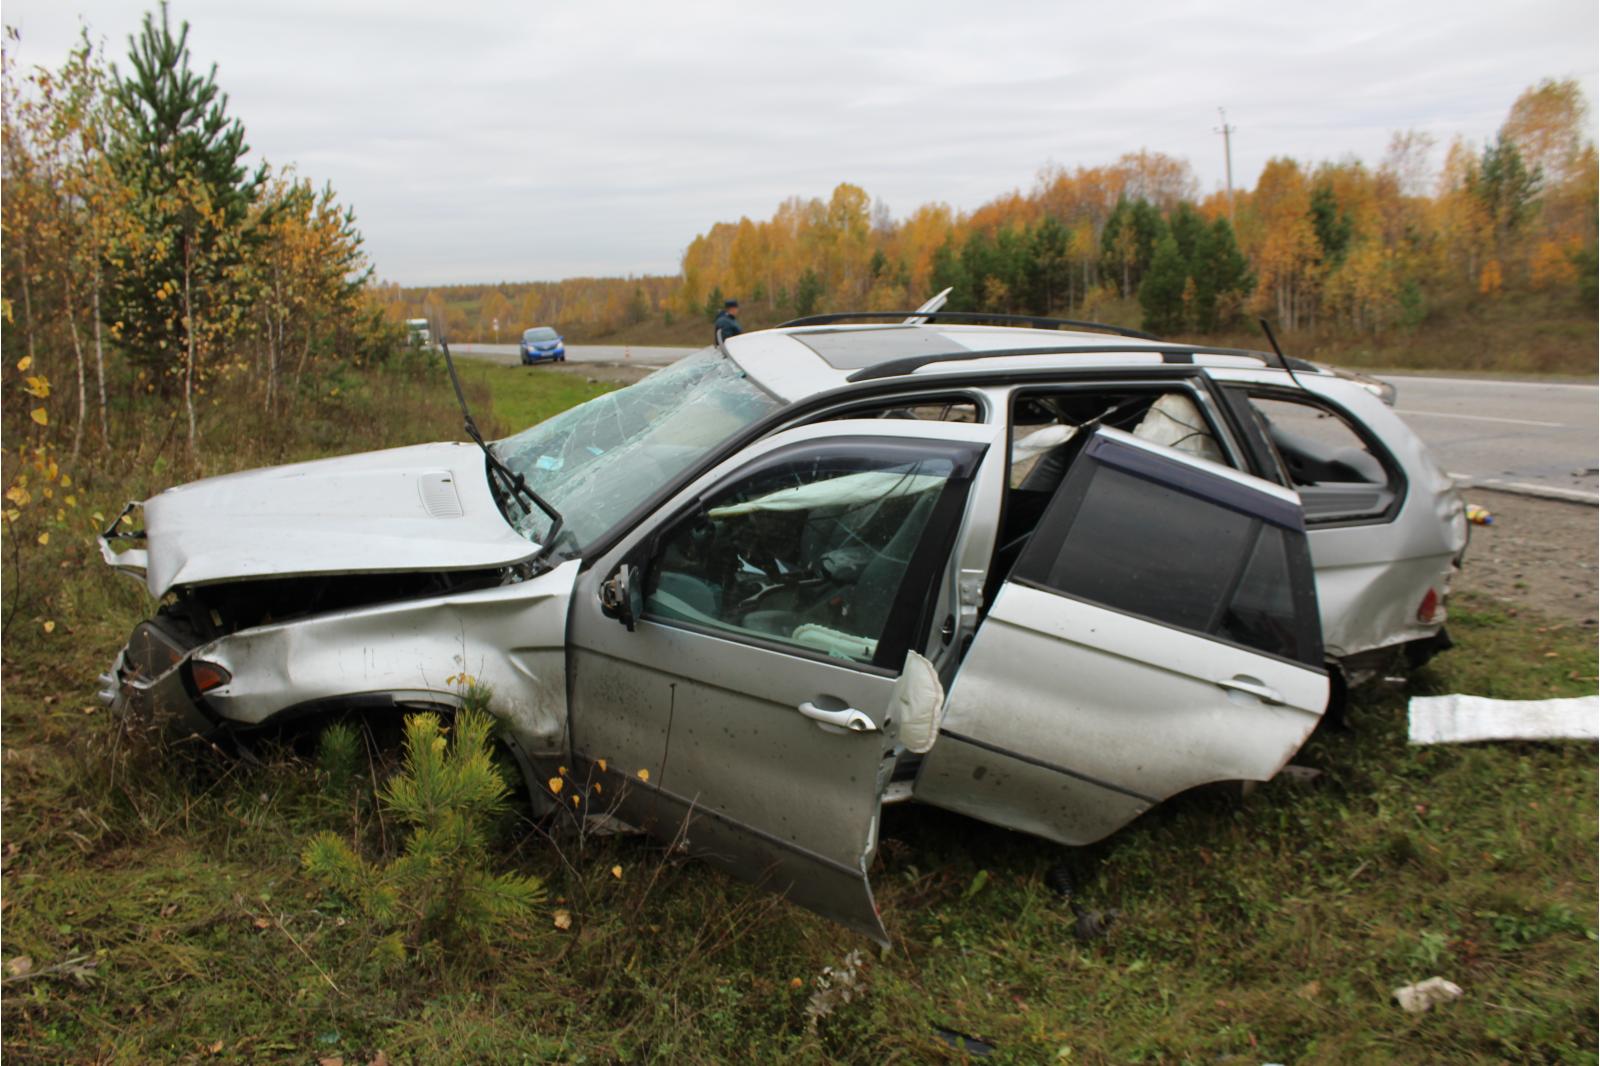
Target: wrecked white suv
[{"x": 1045, "y": 578}]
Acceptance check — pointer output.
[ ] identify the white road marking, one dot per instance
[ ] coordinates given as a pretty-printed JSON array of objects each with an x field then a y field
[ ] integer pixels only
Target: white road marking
[
  {"x": 1479, "y": 418},
  {"x": 1467, "y": 481},
  {"x": 1490, "y": 382}
]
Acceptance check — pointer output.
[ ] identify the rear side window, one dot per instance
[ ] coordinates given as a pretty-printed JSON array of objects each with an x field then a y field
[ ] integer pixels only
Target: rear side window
[
  {"x": 1175, "y": 557},
  {"x": 1337, "y": 473}
]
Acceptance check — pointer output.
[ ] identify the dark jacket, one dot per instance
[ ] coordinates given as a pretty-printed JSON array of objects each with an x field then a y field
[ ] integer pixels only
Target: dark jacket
[{"x": 727, "y": 325}]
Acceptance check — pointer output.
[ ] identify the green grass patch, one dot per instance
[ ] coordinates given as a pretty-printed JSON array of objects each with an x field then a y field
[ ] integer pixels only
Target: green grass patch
[
  {"x": 160, "y": 898},
  {"x": 523, "y": 396}
]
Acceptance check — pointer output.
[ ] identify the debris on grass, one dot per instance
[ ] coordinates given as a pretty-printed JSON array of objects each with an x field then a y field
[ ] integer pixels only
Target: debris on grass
[
  {"x": 1461, "y": 719},
  {"x": 962, "y": 1042},
  {"x": 835, "y": 986},
  {"x": 1092, "y": 924},
  {"x": 1422, "y": 996}
]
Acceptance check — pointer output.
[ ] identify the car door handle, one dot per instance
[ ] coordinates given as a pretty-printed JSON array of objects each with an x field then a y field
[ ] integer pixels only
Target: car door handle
[
  {"x": 849, "y": 718},
  {"x": 1240, "y": 683}
]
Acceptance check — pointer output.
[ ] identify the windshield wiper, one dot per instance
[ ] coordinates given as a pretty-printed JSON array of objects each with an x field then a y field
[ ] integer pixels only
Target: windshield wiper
[{"x": 515, "y": 482}]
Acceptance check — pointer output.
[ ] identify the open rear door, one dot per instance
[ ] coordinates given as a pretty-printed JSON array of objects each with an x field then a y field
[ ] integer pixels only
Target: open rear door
[{"x": 1157, "y": 631}]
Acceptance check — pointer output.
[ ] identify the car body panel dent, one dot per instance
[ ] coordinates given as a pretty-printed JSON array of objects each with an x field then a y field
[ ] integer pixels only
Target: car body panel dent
[
  {"x": 421, "y": 508},
  {"x": 511, "y": 638},
  {"x": 1372, "y": 577}
]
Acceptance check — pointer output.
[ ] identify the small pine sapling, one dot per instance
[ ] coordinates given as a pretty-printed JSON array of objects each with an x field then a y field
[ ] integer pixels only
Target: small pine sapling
[{"x": 439, "y": 889}]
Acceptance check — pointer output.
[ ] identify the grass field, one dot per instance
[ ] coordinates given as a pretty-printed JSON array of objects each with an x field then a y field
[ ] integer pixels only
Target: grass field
[{"x": 160, "y": 905}]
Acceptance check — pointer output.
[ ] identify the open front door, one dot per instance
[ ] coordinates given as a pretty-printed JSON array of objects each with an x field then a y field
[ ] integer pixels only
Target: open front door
[
  {"x": 746, "y": 711},
  {"x": 1157, "y": 631}
]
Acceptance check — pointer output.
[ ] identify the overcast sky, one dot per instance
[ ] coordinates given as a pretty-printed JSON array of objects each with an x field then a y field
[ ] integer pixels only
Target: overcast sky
[{"x": 513, "y": 141}]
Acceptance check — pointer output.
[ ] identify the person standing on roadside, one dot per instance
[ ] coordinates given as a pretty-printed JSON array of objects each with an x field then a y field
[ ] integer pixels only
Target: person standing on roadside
[{"x": 727, "y": 323}]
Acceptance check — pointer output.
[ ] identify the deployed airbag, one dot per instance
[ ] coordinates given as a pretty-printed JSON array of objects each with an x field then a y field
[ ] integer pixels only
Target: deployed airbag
[
  {"x": 916, "y": 702},
  {"x": 1175, "y": 422},
  {"x": 836, "y": 494}
]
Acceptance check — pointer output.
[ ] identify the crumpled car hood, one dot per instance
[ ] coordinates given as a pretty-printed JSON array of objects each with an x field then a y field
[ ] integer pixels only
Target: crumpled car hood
[{"x": 422, "y": 508}]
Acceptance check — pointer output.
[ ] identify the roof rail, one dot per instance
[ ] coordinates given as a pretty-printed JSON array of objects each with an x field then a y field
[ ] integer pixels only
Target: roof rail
[
  {"x": 1170, "y": 353},
  {"x": 1035, "y": 321}
]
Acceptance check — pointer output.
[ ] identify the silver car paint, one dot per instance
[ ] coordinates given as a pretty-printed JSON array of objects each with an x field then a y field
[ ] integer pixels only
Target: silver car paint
[
  {"x": 756, "y": 788},
  {"x": 421, "y": 508},
  {"x": 1067, "y": 719},
  {"x": 322, "y": 517},
  {"x": 511, "y": 638},
  {"x": 1371, "y": 577}
]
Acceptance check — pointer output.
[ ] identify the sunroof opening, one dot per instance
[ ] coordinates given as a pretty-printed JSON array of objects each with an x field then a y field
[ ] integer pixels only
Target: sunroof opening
[{"x": 856, "y": 348}]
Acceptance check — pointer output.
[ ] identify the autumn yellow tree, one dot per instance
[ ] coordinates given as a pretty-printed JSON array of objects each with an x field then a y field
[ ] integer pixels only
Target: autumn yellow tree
[{"x": 1285, "y": 250}]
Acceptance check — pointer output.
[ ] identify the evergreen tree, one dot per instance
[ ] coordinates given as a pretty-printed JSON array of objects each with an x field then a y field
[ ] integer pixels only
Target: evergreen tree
[
  {"x": 1128, "y": 242},
  {"x": 1507, "y": 189},
  {"x": 1161, "y": 292},
  {"x": 1334, "y": 227},
  {"x": 714, "y": 301},
  {"x": 947, "y": 272},
  {"x": 183, "y": 157},
  {"x": 1188, "y": 229},
  {"x": 978, "y": 264},
  {"x": 1048, "y": 267},
  {"x": 1222, "y": 278},
  {"x": 438, "y": 894},
  {"x": 807, "y": 293}
]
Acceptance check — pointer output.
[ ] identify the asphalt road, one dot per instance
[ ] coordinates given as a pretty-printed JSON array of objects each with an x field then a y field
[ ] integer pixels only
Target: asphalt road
[
  {"x": 507, "y": 354},
  {"x": 1517, "y": 436}
]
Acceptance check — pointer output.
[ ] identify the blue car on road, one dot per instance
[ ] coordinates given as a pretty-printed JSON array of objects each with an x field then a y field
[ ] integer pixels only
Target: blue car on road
[{"x": 540, "y": 344}]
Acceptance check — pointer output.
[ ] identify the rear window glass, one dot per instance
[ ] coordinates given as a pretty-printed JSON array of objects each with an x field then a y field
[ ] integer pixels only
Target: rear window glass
[
  {"x": 1136, "y": 545},
  {"x": 1261, "y": 613},
  {"x": 1151, "y": 550},
  {"x": 1316, "y": 445}
]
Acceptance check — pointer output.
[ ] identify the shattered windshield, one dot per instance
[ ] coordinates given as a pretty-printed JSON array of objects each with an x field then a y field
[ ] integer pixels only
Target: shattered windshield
[{"x": 599, "y": 460}]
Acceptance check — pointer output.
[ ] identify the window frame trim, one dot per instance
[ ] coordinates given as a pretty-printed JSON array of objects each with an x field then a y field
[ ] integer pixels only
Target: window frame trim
[
  {"x": 1265, "y": 453},
  {"x": 1073, "y": 492},
  {"x": 927, "y": 561}
]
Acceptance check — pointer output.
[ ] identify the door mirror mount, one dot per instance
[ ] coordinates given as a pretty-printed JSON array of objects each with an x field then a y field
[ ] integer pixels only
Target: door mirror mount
[{"x": 622, "y": 596}]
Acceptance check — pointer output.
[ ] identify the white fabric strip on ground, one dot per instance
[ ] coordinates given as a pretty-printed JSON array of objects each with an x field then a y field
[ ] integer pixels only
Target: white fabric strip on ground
[{"x": 1464, "y": 719}]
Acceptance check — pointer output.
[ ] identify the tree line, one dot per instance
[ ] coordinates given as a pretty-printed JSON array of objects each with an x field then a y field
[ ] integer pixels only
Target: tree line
[
  {"x": 582, "y": 308},
  {"x": 144, "y": 263},
  {"x": 1341, "y": 244}
]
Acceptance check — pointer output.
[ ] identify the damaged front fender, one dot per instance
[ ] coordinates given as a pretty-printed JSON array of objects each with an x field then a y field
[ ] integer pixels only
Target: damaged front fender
[{"x": 510, "y": 638}]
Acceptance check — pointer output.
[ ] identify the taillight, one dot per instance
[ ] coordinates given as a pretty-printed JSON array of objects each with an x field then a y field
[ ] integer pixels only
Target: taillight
[
  {"x": 208, "y": 676},
  {"x": 1428, "y": 609}
]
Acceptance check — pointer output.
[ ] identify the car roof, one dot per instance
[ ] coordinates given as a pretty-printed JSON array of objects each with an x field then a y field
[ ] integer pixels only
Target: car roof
[{"x": 796, "y": 362}]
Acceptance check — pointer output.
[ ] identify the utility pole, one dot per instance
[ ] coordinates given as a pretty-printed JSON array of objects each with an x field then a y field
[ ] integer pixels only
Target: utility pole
[{"x": 1227, "y": 152}]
